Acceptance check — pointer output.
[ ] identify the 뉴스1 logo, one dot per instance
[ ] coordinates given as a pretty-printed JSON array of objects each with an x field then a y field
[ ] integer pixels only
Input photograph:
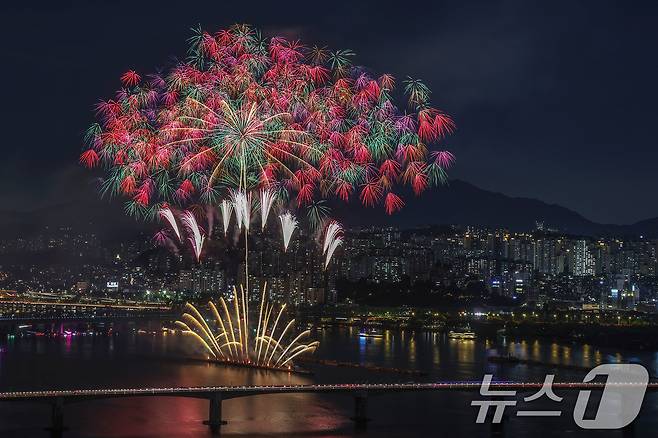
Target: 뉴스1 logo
[{"x": 621, "y": 400}]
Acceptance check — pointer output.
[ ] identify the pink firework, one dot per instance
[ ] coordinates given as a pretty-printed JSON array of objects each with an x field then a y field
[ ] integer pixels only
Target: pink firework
[{"x": 196, "y": 237}]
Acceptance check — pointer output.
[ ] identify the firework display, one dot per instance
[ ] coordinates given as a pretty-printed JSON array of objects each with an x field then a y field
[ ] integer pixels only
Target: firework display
[
  {"x": 267, "y": 199},
  {"x": 288, "y": 226},
  {"x": 168, "y": 215},
  {"x": 246, "y": 113},
  {"x": 333, "y": 238},
  {"x": 227, "y": 209},
  {"x": 242, "y": 207},
  {"x": 247, "y": 122},
  {"x": 197, "y": 237},
  {"x": 228, "y": 338}
]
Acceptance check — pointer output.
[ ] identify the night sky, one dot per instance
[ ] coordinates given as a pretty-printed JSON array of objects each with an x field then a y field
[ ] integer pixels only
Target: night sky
[{"x": 554, "y": 100}]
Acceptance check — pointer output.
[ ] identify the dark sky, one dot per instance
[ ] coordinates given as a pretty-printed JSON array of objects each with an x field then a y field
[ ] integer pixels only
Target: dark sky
[{"x": 555, "y": 100}]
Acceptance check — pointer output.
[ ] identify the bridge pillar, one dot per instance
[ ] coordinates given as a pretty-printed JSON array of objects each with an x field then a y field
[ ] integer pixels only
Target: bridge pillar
[
  {"x": 360, "y": 417},
  {"x": 215, "y": 413},
  {"x": 57, "y": 418}
]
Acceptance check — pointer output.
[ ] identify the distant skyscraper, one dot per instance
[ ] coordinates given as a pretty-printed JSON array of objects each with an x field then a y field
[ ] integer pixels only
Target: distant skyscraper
[
  {"x": 545, "y": 258},
  {"x": 582, "y": 262}
]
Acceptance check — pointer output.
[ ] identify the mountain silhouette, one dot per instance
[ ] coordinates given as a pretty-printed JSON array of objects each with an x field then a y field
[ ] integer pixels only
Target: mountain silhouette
[
  {"x": 462, "y": 203},
  {"x": 458, "y": 203}
]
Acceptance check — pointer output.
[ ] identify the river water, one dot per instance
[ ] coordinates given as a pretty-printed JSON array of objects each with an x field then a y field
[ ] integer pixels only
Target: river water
[{"x": 132, "y": 359}]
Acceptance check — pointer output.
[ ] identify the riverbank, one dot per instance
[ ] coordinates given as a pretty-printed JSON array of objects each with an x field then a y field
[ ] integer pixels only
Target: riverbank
[{"x": 641, "y": 338}]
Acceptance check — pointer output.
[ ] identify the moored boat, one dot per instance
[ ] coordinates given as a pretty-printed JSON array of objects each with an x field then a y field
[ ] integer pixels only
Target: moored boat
[
  {"x": 370, "y": 333},
  {"x": 461, "y": 333}
]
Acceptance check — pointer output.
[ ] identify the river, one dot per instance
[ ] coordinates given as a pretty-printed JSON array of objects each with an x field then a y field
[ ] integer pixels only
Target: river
[{"x": 131, "y": 359}]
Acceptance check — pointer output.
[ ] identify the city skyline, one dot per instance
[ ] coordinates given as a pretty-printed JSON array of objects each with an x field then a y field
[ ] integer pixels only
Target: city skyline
[{"x": 537, "y": 267}]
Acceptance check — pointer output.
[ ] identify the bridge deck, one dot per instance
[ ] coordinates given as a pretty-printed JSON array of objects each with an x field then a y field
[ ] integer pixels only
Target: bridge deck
[{"x": 243, "y": 391}]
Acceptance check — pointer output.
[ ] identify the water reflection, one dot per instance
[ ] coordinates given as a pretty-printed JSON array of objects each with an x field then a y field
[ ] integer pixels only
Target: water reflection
[
  {"x": 389, "y": 344},
  {"x": 536, "y": 350},
  {"x": 555, "y": 355},
  {"x": 132, "y": 360},
  {"x": 566, "y": 355},
  {"x": 412, "y": 349}
]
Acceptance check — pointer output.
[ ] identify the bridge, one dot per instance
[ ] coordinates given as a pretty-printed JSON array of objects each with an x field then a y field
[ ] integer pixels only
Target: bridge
[{"x": 216, "y": 394}]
